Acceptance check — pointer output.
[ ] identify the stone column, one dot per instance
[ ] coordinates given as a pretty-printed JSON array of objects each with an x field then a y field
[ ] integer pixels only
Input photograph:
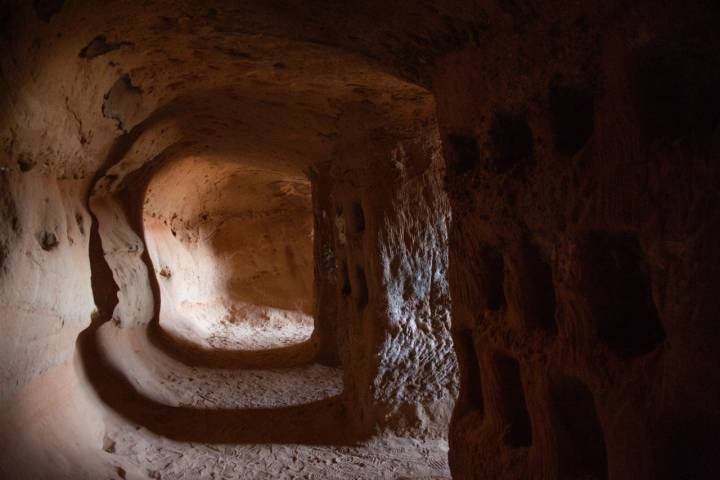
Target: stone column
[{"x": 390, "y": 220}]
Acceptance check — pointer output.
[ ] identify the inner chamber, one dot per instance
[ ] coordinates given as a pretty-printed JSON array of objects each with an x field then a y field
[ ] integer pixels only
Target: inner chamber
[{"x": 231, "y": 246}]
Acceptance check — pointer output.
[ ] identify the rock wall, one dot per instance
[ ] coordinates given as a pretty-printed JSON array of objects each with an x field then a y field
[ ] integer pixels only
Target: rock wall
[
  {"x": 581, "y": 147},
  {"x": 44, "y": 273},
  {"x": 231, "y": 249},
  {"x": 326, "y": 286},
  {"x": 390, "y": 219},
  {"x": 580, "y": 263},
  {"x": 46, "y": 300}
]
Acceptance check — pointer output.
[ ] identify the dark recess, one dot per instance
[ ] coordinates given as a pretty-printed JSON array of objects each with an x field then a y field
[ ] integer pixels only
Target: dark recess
[
  {"x": 541, "y": 297},
  {"x": 511, "y": 143},
  {"x": 471, "y": 397},
  {"x": 512, "y": 402},
  {"x": 48, "y": 241},
  {"x": 25, "y": 164},
  {"x": 346, "y": 289},
  {"x": 359, "y": 217},
  {"x": 572, "y": 109},
  {"x": 674, "y": 86},
  {"x": 617, "y": 283},
  {"x": 80, "y": 223},
  {"x": 45, "y": 9},
  {"x": 464, "y": 155},
  {"x": 581, "y": 443},
  {"x": 494, "y": 278},
  {"x": 100, "y": 46},
  {"x": 361, "y": 289}
]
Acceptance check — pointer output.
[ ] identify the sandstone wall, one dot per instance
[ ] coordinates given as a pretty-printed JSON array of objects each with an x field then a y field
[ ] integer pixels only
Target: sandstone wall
[
  {"x": 231, "y": 247},
  {"x": 45, "y": 295},
  {"x": 582, "y": 152},
  {"x": 46, "y": 300},
  {"x": 581, "y": 261},
  {"x": 326, "y": 286},
  {"x": 390, "y": 222}
]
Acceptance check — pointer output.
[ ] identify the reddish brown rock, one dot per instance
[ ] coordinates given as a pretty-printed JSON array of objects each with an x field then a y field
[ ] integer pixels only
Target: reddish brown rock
[{"x": 367, "y": 239}]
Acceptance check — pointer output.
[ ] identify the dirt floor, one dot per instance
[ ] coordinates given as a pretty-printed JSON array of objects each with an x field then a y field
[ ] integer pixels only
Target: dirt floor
[
  {"x": 171, "y": 420},
  {"x": 141, "y": 454}
]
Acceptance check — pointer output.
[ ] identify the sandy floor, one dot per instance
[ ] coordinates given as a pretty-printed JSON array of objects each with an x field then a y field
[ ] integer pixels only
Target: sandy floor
[
  {"x": 170, "y": 420},
  {"x": 241, "y": 336},
  {"x": 139, "y": 453},
  {"x": 248, "y": 328}
]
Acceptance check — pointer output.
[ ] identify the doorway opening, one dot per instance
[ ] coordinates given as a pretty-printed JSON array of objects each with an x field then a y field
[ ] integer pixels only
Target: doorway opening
[{"x": 232, "y": 249}]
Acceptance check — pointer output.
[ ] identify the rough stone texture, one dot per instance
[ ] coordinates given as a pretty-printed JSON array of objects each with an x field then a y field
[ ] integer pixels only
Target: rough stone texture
[
  {"x": 583, "y": 252},
  {"x": 231, "y": 250},
  {"x": 390, "y": 237},
  {"x": 192, "y": 135},
  {"x": 571, "y": 234},
  {"x": 44, "y": 274},
  {"x": 326, "y": 272}
]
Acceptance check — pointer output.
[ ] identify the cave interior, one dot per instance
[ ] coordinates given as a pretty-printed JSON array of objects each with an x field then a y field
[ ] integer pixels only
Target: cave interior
[{"x": 468, "y": 239}]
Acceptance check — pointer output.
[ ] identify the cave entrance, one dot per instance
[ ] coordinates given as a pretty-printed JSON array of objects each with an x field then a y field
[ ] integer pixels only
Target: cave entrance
[{"x": 232, "y": 250}]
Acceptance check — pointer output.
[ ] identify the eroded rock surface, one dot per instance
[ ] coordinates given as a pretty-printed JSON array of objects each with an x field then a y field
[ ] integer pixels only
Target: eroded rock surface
[
  {"x": 581, "y": 195},
  {"x": 363, "y": 239},
  {"x": 232, "y": 252}
]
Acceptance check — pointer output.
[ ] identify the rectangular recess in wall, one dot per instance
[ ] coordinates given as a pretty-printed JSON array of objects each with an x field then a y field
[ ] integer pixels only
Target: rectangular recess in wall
[
  {"x": 358, "y": 217},
  {"x": 541, "y": 295},
  {"x": 616, "y": 280},
  {"x": 361, "y": 288},
  {"x": 512, "y": 402},
  {"x": 494, "y": 277},
  {"x": 471, "y": 397},
  {"x": 345, "y": 287},
  {"x": 581, "y": 442},
  {"x": 462, "y": 153}
]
